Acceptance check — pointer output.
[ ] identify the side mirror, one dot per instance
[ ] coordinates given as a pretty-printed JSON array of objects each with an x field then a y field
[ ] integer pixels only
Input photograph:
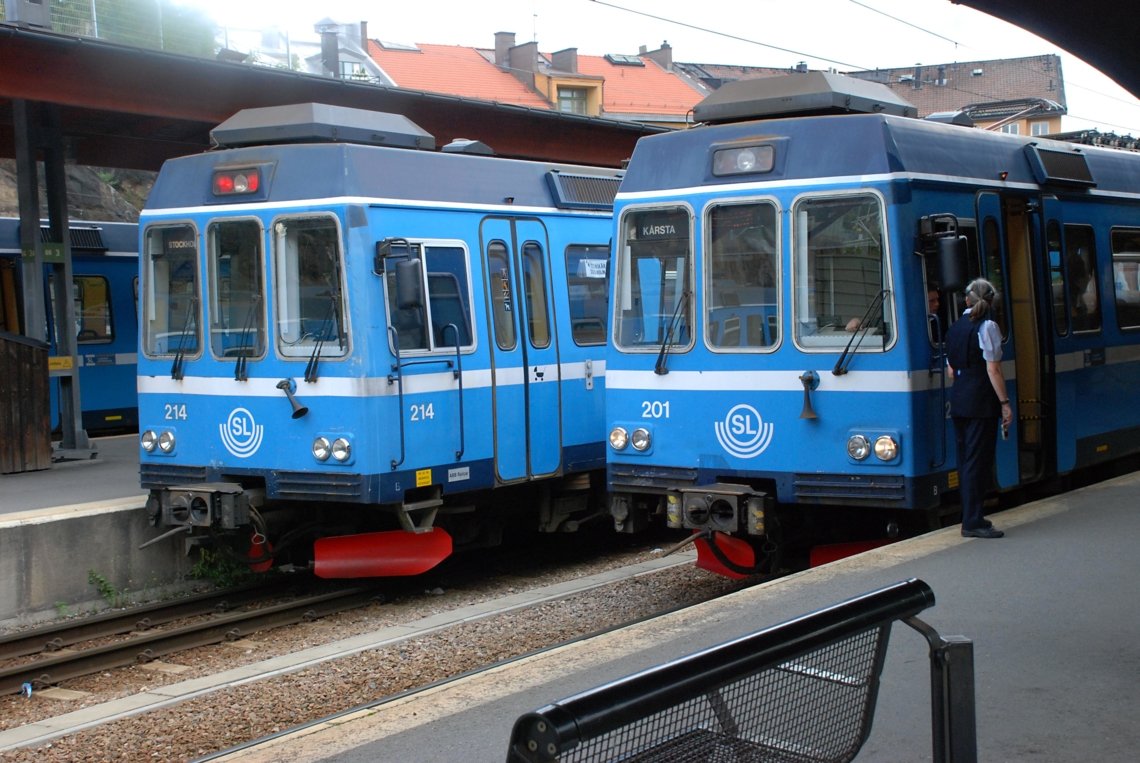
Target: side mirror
[
  {"x": 950, "y": 262},
  {"x": 409, "y": 284}
]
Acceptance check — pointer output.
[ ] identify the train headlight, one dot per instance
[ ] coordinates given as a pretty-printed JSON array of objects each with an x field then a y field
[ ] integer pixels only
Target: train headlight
[
  {"x": 746, "y": 159},
  {"x": 886, "y": 449},
  {"x": 640, "y": 439},
  {"x": 322, "y": 449},
  {"x": 148, "y": 441},
  {"x": 166, "y": 441},
  {"x": 858, "y": 447},
  {"x": 341, "y": 449},
  {"x": 619, "y": 438}
]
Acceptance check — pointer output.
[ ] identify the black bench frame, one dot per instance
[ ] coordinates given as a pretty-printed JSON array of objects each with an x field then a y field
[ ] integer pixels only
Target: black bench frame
[{"x": 803, "y": 690}]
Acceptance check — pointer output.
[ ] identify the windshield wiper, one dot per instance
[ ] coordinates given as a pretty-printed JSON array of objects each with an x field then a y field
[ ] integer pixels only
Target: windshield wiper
[
  {"x": 191, "y": 312},
  {"x": 244, "y": 350},
  {"x": 857, "y": 338},
  {"x": 660, "y": 368},
  {"x": 332, "y": 315}
]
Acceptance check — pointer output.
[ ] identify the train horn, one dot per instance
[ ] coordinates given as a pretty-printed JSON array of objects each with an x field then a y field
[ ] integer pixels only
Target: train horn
[
  {"x": 289, "y": 387},
  {"x": 810, "y": 380}
]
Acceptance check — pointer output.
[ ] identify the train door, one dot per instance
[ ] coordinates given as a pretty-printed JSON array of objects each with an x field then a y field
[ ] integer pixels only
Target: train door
[
  {"x": 1008, "y": 223},
  {"x": 525, "y": 374}
]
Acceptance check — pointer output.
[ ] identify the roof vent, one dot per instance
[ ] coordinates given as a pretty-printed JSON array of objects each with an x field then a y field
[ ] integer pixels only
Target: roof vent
[
  {"x": 574, "y": 191},
  {"x": 465, "y": 146},
  {"x": 807, "y": 94},
  {"x": 319, "y": 123}
]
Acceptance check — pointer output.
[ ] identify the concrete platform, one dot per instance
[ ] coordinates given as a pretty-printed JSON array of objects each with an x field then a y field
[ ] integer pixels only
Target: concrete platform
[
  {"x": 1052, "y": 610},
  {"x": 69, "y": 538}
]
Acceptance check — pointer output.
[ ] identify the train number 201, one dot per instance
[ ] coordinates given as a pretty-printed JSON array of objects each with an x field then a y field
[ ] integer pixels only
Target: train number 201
[
  {"x": 421, "y": 412},
  {"x": 654, "y": 409},
  {"x": 174, "y": 412}
]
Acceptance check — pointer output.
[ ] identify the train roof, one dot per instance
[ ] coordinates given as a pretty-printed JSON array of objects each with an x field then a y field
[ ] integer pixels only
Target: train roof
[
  {"x": 860, "y": 145},
  {"x": 316, "y": 151}
]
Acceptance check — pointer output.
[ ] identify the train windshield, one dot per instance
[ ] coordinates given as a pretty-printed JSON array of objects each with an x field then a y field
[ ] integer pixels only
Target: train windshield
[
  {"x": 652, "y": 291},
  {"x": 840, "y": 272},
  {"x": 741, "y": 276},
  {"x": 237, "y": 296},
  {"x": 308, "y": 276},
  {"x": 170, "y": 291}
]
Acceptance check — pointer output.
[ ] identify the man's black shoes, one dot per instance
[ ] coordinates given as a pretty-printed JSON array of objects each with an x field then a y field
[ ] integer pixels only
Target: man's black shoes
[{"x": 982, "y": 532}]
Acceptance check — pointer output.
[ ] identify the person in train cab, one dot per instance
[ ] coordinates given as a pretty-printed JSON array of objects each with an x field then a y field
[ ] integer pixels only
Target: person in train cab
[
  {"x": 933, "y": 313},
  {"x": 978, "y": 401}
]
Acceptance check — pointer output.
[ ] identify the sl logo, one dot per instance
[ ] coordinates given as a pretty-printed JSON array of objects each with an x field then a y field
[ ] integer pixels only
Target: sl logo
[
  {"x": 743, "y": 433},
  {"x": 241, "y": 434}
]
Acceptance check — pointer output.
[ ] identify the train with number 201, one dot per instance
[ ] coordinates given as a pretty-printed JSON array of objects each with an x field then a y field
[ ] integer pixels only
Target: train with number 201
[
  {"x": 780, "y": 290},
  {"x": 350, "y": 341}
]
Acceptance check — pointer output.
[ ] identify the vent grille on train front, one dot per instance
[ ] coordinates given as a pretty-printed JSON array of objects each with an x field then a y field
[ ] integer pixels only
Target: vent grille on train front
[{"x": 573, "y": 191}]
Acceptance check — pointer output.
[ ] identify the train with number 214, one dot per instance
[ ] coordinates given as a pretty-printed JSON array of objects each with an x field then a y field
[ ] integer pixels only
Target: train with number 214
[
  {"x": 780, "y": 290},
  {"x": 348, "y": 339}
]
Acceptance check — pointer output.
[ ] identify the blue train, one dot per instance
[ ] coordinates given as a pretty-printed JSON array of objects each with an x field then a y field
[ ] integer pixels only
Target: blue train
[
  {"x": 779, "y": 293},
  {"x": 350, "y": 340},
  {"x": 105, "y": 278}
]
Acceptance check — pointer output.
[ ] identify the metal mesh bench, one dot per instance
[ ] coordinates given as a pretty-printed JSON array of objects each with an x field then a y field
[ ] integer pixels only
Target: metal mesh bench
[{"x": 804, "y": 690}]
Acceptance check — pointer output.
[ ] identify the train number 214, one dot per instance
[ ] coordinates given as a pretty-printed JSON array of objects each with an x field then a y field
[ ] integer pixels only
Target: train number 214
[
  {"x": 421, "y": 412},
  {"x": 654, "y": 409}
]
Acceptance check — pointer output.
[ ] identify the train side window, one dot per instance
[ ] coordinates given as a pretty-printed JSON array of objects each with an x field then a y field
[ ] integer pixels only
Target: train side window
[
  {"x": 587, "y": 270},
  {"x": 840, "y": 272},
  {"x": 308, "y": 273},
  {"x": 502, "y": 295},
  {"x": 1125, "y": 263},
  {"x": 741, "y": 299},
  {"x": 1080, "y": 264},
  {"x": 170, "y": 291},
  {"x": 237, "y": 298},
  {"x": 449, "y": 295},
  {"x": 991, "y": 240},
  {"x": 92, "y": 300},
  {"x": 1056, "y": 277},
  {"x": 534, "y": 290}
]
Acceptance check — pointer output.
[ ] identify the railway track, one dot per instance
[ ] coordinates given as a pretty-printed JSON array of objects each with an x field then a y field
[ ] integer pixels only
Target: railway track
[{"x": 221, "y": 625}]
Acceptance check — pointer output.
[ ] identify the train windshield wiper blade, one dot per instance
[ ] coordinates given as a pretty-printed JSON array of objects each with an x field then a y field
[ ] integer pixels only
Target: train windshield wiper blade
[
  {"x": 191, "y": 313},
  {"x": 661, "y": 368},
  {"x": 244, "y": 351},
  {"x": 332, "y": 317}
]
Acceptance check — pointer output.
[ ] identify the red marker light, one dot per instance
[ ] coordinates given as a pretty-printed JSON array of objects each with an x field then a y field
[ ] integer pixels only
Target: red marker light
[{"x": 229, "y": 182}]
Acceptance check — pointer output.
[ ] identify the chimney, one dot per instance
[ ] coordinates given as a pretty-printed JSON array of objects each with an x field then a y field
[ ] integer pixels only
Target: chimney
[
  {"x": 330, "y": 52},
  {"x": 642, "y": 50},
  {"x": 364, "y": 36},
  {"x": 522, "y": 62},
  {"x": 565, "y": 60},
  {"x": 663, "y": 56},
  {"x": 917, "y": 77},
  {"x": 504, "y": 41}
]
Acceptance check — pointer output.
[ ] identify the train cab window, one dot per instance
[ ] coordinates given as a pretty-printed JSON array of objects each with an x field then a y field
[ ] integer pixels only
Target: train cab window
[
  {"x": 587, "y": 267},
  {"x": 993, "y": 269},
  {"x": 534, "y": 291},
  {"x": 1080, "y": 272},
  {"x": 741, "y": 296},
  {"x": 502, "y": 295},
  {"x": 170, "y": 291},
  {"x": 840, "y": 273},
  {"x": 443, "y": 321},
  {"x": 1125, "y": 263},
  {"x": 654, "y": 305},
  {"x": 308, "y": 275},
  {"x": 236, "y": 312}
]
